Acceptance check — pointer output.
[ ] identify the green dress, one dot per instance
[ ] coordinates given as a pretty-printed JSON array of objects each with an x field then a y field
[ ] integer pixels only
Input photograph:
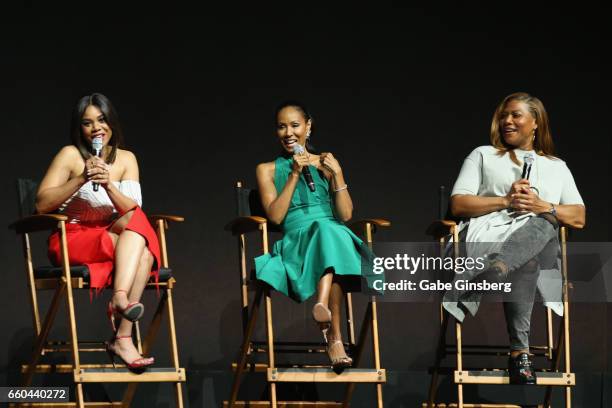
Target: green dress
[{"x": 313, "y": 241}]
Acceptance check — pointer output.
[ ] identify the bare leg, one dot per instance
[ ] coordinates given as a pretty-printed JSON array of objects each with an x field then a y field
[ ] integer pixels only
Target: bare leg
[
  {"x": 142, "y": 275},
  {"x": 323, "y": 288},
  {"x": 126, "y": 349},
  {"x": 320, "y": 311},
  {"x": 128, "y": 244},
  {"x": 335, "y": 305},
  {"x": 335, "y": 347},
  {"x": 132, "y": 268}
]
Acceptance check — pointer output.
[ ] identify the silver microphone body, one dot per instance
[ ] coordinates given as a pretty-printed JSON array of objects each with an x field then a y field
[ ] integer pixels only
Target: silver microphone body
[
  {"x": 527, "y": 162},
  {"x": 299, "y": 149},
  {"x": 96, "y": 145}
]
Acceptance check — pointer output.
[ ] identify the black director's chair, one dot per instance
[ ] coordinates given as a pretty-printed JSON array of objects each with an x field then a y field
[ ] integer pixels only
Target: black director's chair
[
  {"x": 65, "y": 280},
  {"x": 251, "y": 218},
  {"x": 554, "y": 352}
]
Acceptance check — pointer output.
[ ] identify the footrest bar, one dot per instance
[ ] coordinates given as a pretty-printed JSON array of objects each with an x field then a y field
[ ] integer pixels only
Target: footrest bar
[
  {"x": 327, "y": 375},
  {"x": 501, "y": 377}
]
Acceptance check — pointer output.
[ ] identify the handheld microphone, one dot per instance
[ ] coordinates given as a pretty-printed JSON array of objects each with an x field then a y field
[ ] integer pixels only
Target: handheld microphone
[
  {"x": 96, "y": 145},
  {"x": 527, "y": 162},
  {"x": 299, "y": 149}
]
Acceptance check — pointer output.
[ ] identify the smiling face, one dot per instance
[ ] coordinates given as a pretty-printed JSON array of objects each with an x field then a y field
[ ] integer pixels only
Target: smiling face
[
  {"x": 292, "y": 128},
  {"x": 517, "y": 125},
  {"x": 93, "y": 123}
]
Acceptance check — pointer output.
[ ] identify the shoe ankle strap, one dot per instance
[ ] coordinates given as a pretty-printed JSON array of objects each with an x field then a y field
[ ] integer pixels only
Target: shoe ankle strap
[
  {"x": 123, "y": 337},
  {"x": 119, "y": 290}
]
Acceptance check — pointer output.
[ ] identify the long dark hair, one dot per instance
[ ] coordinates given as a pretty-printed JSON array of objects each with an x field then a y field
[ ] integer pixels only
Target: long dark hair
[
  {"x": 110, "y": 116},
  {"x": 305, "y": 113}
]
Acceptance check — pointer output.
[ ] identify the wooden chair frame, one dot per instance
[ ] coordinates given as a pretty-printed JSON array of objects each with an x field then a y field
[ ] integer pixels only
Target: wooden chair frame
[
  {"x": 64, "y": 287},
  {"x": 439, "y": 230},
  {"x": 241, "y": 227}
]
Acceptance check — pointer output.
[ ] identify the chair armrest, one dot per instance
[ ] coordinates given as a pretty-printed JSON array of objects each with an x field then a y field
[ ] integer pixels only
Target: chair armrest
[
  {"x": 358, "y": 226},
  {"x": 38, "y": 222},
  {"x": 166, "y": 217},
  {"x": 440, "y": 228},
  {"x": 243, "y": 225}
]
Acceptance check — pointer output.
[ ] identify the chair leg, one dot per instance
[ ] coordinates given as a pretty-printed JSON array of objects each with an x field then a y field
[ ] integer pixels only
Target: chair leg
[
  {"x": 75, "y": 342},
  {"x": 566, "y": 314},
  {"x": 32, "y": 283},
  {"x": 44, "y": 333},
  {"x": 79, "y": 396},
  {"x": 244, "y": 350},
  {"x": 556, "y": 364},
  {"x": 376, "y": 349},
  {"x": 271, "y": 356},
  {"x": 566, "y": 343},
  {"x": 459, "y": 364},
  {"x": 174, "y": 347},
  {"x": 149, "y": 339},
  {"x": 178, "y": 394},
  {"x": 350, "y": 319},
  {"x": 433, "y": 386},
  {"x": 358, "y": 353},
  {"x": 138, "y": 337},
  {"x": 172, "y": 330}
]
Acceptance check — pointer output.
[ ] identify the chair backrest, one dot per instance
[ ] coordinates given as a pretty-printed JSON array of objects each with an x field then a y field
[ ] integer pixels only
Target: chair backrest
[
  {"x": 248, "y": 203},
  {"x": 26, "y": 193}
]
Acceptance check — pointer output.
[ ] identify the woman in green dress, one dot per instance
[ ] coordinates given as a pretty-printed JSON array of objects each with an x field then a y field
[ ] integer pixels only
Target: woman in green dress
[{"x": 318, "y": 253}]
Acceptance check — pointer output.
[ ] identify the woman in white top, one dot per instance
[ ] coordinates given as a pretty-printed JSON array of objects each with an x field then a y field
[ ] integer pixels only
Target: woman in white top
[
  {"x": 106, "y": 231},
  {"x": 513, "y": 217}
]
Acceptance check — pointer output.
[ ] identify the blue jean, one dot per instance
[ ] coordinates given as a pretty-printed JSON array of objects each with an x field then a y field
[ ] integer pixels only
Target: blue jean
[{"x": 533, "y": 246}]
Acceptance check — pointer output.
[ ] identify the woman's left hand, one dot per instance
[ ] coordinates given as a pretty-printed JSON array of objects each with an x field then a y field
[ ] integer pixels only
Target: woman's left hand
[
  {"x": 99, "y": 172},
  {"x": 528, "y": 201},
  {"x": 329, "y": 162}
]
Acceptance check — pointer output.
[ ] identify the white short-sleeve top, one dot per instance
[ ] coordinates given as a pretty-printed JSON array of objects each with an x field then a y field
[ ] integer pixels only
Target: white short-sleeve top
[
  {"x": 485, "y": 173},
  {"x": 89, "y": 206}
]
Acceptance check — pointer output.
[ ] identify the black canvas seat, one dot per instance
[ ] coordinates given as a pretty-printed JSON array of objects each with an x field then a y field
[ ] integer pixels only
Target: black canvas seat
[{"x": 82, "y": 271}]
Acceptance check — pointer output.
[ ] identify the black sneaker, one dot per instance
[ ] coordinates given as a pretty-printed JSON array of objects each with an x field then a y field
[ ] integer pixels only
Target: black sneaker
[{"x": 521, "y": 370}]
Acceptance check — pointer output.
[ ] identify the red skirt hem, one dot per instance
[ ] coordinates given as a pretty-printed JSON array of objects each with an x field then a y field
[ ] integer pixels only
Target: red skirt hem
[{"x": 90, "y": 245}]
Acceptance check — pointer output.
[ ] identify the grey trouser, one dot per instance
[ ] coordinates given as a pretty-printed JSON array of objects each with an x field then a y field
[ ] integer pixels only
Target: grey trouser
[{"x": 530, "y": 247}]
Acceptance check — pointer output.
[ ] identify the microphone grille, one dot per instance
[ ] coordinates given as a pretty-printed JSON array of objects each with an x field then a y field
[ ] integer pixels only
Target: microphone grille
[
  {"x": 97, "y": 142},
  {"x": 298, "y": 149}
]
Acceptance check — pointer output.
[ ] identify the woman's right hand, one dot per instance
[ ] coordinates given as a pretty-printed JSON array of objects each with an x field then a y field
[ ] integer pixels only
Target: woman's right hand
[
  {"x": 299, "y": 162},
  {"x": 519, "y": 186},
  {"x": 95, "y": 169}
]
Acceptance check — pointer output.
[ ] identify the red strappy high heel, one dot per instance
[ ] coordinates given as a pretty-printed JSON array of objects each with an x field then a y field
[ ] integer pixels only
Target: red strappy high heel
[
  {"x": 133, "y": 311},
  {"x": 137, "y": 366}
]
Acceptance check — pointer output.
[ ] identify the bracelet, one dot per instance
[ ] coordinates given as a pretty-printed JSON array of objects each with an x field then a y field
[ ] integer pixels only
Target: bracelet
[{"x": 341, "y": 188}]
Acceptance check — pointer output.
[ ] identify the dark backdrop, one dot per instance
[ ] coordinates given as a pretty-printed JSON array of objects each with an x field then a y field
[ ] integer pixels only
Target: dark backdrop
[{"x": 399, "y": 95}]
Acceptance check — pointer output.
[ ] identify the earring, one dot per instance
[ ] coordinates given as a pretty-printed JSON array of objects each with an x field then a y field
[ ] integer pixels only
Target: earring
[
  {"x": 534, "y": 134},
  {"x": 308, "y": 134}
]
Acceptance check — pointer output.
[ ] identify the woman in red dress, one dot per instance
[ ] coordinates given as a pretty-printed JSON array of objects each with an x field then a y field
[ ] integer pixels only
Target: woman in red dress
[{"x": 106, "y": 229}]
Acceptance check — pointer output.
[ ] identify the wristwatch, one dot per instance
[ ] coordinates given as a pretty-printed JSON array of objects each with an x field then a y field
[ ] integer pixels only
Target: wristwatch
[{"x": 553, "y": 209}]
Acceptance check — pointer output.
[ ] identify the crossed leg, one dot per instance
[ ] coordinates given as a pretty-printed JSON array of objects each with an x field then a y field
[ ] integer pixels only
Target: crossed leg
[
  {"x": 133, "y": 263},
  {"x": 331, "y": 295}
]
